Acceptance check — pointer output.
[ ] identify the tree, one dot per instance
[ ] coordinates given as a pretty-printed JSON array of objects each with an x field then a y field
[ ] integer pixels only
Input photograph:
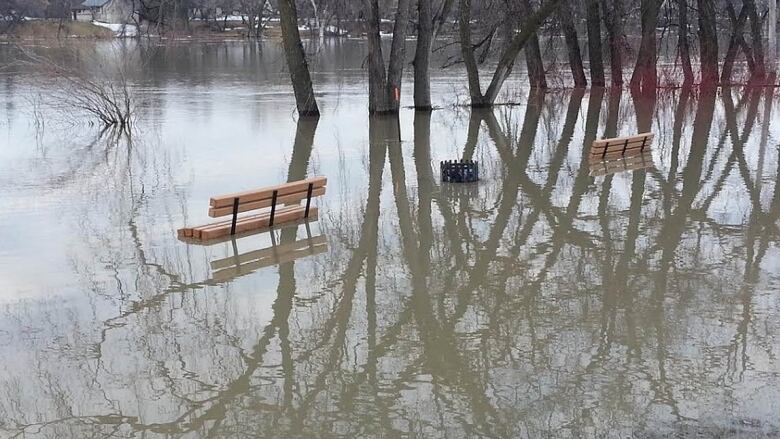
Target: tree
[
  {"x": 384, "y": 86},
  {"x": 596, "y": 62},
  {"x": 645, "y": 76},
  {"x": 572, "y": 44},
  {"x": 708, "y": 43},
  {"x": 683, "y": 44},
  {"x": 428, "y": 26},
  {"x": 507, "y": 60},
  {"x": 533, "y": 53},
  {"x": 296, "y": 60},
  {"x": 613, "y": 18}
]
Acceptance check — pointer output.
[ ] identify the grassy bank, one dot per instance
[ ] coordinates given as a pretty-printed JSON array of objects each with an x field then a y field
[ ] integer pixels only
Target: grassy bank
[{"x": 34, "y": 30}]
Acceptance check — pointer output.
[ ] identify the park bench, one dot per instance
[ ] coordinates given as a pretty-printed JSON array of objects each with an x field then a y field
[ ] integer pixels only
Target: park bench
[
  {"x": 620, "y": 147},
  {"x": 288, "y": 195},
  {"x": 623, "y": 164}
]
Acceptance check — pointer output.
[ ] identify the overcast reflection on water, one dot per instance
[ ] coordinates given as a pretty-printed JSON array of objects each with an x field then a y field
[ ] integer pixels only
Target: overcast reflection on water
[{"x": 543, "y": 301}]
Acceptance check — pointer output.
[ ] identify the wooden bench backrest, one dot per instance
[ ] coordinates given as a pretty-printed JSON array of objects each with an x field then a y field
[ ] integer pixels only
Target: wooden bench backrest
[
  {"x": 605, "y": 148},
  {"x": 286, "y": 193}
]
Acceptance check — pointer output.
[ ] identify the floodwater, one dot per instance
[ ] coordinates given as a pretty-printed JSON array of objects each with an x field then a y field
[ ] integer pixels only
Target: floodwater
[{"x": 541, "y": 302}]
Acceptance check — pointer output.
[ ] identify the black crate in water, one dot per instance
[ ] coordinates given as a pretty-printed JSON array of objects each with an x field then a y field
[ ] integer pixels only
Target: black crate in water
[{"x": 459, "y": 171}]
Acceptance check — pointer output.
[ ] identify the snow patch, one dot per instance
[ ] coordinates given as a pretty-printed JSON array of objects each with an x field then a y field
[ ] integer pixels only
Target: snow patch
[{"x": 121, "y": 30}]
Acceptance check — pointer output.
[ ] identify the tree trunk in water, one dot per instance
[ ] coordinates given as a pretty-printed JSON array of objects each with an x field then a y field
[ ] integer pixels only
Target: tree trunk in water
[
  {"x": 594, "y": 43},
  {"x": 467, "y": 52},
  {"x": 507, "y": 60},
  {"x": 533, "y": 54},
  {"x": 296, "y": 60},
  {"x": 645, "y": 76},
  {"x": 772, "y": 46},
  {"x": 738, "y": 24},
  {"x": 757, "y": 38},
  {"x": 684, "y": 46},
  {"x": 384, "y": 88},
  {"x": 612, "y": 19},
  {"x": 422, "y": 79},
  {"x": 708, "y": 43},
  {"x": 572, "y": 45}
]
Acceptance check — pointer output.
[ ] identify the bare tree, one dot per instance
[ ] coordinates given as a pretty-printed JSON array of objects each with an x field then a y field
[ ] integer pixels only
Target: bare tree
[
  {"x": 506, "y": 62},
  {"x": 296, "y": 60},
  {"x": 613, "y": 18},
  {"x": 594, "y": 43},
  {"x": 683, "y": 43},
  {"x": 572, "y": 44},
  {"x": 428, "y": 27},
  {"x": 645, "y": 76},
  {"x": 384, "y": 86},
  {"x": 708, "y": 43}
]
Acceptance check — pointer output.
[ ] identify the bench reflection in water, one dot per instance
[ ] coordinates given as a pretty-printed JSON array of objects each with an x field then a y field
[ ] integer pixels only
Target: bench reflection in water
[{"x": 289, "y": 249}]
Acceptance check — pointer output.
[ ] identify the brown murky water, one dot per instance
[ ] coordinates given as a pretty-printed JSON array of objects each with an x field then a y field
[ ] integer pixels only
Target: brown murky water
[{"x": 542, "y": 301}]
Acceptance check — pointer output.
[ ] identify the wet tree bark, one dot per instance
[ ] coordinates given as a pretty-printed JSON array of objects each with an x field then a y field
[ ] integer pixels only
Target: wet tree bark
[
  {"x": 594, "y": 43},
  {"x": 708, "y": 43},
  {"x": 422, "y": 80},
  {"x": 613, "y": 13},
  {"x": 533, "y": 54},
  {"x": 738, "y": 24},
  {"x": 384, "y": 88},
  {"x": 572, "y": 45},
  {"x": 507, "y": 60},
  {"x": 757, "y": 39},
  {"x": 645, "y": 76},
  {"x": 296, "y": 60},
  {"x": 683, "y": 43}
]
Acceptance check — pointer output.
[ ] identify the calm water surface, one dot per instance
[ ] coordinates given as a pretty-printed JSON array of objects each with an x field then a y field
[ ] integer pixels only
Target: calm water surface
[{"x": 542, "y": 301}]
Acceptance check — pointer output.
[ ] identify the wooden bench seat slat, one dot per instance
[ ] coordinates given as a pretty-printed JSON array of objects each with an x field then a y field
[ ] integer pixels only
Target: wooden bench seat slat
[
  {"x": 621, "y": 140},
  {"x": 284, "y": 215},
  {"x": 261, "y": 194},
  {"x": 634, "y": 150},
  {"x": 619, "y": 146},
  {"x": 295, "y": 197}
]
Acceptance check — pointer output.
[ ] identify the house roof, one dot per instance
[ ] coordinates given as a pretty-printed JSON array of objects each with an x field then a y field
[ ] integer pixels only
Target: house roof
[{"x": 94, "y": 3}]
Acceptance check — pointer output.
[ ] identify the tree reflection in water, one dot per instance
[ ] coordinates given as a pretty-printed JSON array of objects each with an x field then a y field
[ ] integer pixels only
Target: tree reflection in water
[{"x": 542, "y": 301}]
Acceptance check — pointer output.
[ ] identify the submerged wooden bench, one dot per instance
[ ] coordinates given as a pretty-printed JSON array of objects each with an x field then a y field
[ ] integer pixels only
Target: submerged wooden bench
[
  {"x": 623, "y": 164},
  {"x": 290, "y": 195},
  {"x": 619, "y": 147}
]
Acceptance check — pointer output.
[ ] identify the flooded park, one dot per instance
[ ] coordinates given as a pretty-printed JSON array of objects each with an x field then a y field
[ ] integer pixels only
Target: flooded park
[{"x": 553, "y": 298}]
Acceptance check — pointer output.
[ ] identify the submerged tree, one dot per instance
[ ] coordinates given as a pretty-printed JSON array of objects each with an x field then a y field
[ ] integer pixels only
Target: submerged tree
[
  {"x": 708, "y": 43},
  {"x": 296, "y": 60},
  {"x": 645, "y": 76},
  {"x": 593, "y": 20},
  {"x": 572, "y": 44},
  {"x": 506, "y": 61},
  {"x": 428, "y": 27},
  {"x": 384, "y": 86}
]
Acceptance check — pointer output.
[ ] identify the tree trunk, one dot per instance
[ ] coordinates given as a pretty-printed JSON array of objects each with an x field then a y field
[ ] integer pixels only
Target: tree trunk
[
  {"x": 708, "y": 43},
  {"x": 507, "y": 60},
  {"x": 772, "y": 37},
  {"x": 422, "y": 79},
  {"x": 572, "y": 44},
  {"x": 757, "y": 38},
  {"x": 737, "y": 24},
  {"x": 533, "y": 54},
  {"x": 613, "y": 13},
  {"x": 296, "y": 60},
  {"x": 384, "y": 88},
  {"x": 645, "y": 76},
  {"x": 467, "y": 52},
  {"x": 594, "y": 43},
  {"x": 684, "y": 46}
]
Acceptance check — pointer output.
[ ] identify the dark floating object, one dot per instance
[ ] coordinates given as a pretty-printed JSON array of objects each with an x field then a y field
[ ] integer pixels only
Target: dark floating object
[{"x": 459, "y": 171}]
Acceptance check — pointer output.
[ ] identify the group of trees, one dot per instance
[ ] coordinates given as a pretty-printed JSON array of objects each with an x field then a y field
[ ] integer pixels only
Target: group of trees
[{"x": 501, "y": 31}]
